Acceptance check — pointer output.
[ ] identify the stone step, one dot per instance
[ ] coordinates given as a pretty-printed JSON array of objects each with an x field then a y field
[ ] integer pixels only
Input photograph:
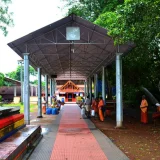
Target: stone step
[{"x": 16, "y": 146}]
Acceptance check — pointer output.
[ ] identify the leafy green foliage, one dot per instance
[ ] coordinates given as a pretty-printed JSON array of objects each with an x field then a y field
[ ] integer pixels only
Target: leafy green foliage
[
  {"x": 135, "y": 21},
  {"x": 90, "y": 10},
  {"x": 5, "y": 16},
  {"x": 36, "y": 83},
  {"x": 1, "y": 79},
  {"x": 17, "y": 74}
]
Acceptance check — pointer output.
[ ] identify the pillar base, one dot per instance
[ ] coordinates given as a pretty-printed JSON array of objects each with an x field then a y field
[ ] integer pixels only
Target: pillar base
[
  {"x": 119, "y": 124},
  {"x": 27, "y": 122},
  {"x": 39, "y": 116}
]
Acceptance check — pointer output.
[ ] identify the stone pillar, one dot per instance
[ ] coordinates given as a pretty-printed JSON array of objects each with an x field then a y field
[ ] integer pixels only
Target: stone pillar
[
  {"x": 95, "y": 85},
  {"x": 119, "y": 107},
  {"x": 51, "y": 92},
  {"x": 32, "y": 91},
  {"x": 21, "y": 83},
  {"x": 46, "y": 89},
  {"x": 90, "y": 88},
  {"x": 53, "y": 86},
  {"x": 15, "y": 90},
  {"x": 103, "y": 84},
  {"x": 87, "y": 87},
  {"x": 26, "y": 90},
  {"x": 36, "y": 87},
  {"x": 39, "y": 94}
]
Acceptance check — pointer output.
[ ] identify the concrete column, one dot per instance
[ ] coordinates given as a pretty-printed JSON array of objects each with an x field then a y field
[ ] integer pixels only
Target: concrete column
[
  {"x": 46, "y": 89},
  {"x": 21, "y": 84},
  {"x": 39, "y": 94},
  {"x": 32, "y": 91},
  {"x": 90, "y": 88},
  {"x": 103, "y": 84},
  {"x": 51, "y": 92},
  {"x": 15, "y": 90},
  {"x": 36, "y": 87},
  {"x": 85, "y": 88},
  {"x": 53, "y": 86},
  {"x": 119, "y": 107},
  {"x": 26, "y": 90},
  {"x": 95, "y": 85}
]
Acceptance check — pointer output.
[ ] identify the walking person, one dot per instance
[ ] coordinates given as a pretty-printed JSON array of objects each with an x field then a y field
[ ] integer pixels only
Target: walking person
[
  {"x": 87, "y": 106},
  {"x": 95, "y": 106},
  {"x": 100, "y": 109},
  {"x": 144, "y": 107}
]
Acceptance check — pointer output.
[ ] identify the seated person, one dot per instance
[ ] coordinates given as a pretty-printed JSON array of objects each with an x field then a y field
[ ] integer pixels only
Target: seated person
[
  {"x": 58, "y": 104},
  {"x": 54, "y": 103}
]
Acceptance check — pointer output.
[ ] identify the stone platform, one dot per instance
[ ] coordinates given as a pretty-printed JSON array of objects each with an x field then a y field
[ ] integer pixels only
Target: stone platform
[{"x": 17, "y": 145}]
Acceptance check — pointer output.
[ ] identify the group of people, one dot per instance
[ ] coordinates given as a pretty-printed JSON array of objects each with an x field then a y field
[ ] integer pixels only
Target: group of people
[
  {"x": 99, "y": 108},
  {"x": 55, "y": 104},
  {"x": 97, "y": 105}
]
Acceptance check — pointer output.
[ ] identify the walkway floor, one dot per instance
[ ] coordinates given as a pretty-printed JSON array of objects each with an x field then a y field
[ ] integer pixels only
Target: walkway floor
[{"x": 68, "y": 137}]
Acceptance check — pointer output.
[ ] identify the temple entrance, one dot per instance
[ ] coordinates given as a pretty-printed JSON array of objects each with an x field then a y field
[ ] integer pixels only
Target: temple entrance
[
  {"x": 69, "y": 91},
  {"x": 70, "y": 96}
]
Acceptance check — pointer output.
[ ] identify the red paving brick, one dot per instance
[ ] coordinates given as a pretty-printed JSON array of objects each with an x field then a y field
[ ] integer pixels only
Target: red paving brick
[{"x": 74, "y": 139}]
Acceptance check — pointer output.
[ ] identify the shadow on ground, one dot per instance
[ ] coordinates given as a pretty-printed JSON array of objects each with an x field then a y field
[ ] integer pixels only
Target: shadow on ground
[{"x": 138, "y": 141}]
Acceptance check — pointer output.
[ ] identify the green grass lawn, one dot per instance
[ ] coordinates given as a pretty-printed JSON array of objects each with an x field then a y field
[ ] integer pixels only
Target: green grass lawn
[{"x": 33, "y": 107}]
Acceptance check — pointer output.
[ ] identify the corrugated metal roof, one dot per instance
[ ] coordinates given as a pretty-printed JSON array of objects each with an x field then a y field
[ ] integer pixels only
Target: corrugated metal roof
[{"x": 50, "y": 50}]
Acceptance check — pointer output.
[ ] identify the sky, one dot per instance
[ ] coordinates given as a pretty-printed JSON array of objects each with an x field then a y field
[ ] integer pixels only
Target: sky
[{"x": 28, "y": 16}]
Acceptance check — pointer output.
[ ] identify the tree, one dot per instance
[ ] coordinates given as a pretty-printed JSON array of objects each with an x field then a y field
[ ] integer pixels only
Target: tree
[
  {"x": 1, "y": 79},
  {"x": 134, "y": 21},
  {"x": 90, "y": 10},
  {"x": 5, "y": 16},
  {"x": 17, "y": 74}
]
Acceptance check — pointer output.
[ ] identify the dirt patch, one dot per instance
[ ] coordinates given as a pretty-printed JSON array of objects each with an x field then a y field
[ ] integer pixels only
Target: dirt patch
[{"x": 138, "y": 141}]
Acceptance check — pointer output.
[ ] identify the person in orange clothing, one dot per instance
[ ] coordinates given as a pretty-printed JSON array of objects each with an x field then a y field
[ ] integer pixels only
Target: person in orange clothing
[
  {"x": 100, "y": 108},
  {"x": 95, "y": 106},
  {"x": 144, "y": 107}
]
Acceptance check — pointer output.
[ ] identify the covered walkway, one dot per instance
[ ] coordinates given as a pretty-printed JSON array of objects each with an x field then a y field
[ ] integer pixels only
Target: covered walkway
[{"x": 68, "y": 137}]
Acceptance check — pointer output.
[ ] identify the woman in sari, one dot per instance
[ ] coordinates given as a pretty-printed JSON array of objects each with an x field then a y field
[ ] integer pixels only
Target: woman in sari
[
  {"x": 143, "y": 107},
  {"x": 100, "y": 107}
]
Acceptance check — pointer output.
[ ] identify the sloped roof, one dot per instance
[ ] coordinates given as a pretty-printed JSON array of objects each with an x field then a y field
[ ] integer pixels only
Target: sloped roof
[
  {"x": 69, "y": 84},
  {"x": 50, "y": 50},
  {"x": 70, "y": 87},
  {"x": 12, "y": 81}
]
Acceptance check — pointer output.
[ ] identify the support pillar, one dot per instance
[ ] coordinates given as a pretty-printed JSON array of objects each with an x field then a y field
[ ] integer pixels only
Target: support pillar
[
  {"x": 103, "y": 84},
  {"x": 53, "y": 86},
  {"x": 21, "y": 84},
  {"x": 51, "y": 92},
  {"x": 95, "y": 85},
  {"x": 39, "y": 93},
  {"x": 26, "y": 90},
  {"x": 119, "y": 107},
  {"x": 46, "y": 89},
  {"x": 15, "y": 90},
  {"x": 36, "y": 87},
  {"x": 90, "y": 88},
  {"x": 85, "y": 89},
  {"x": 32, "y": 91}
]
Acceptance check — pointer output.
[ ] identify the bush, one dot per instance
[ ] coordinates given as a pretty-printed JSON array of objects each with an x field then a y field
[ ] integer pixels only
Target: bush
[{"x": 0, "y": 98}]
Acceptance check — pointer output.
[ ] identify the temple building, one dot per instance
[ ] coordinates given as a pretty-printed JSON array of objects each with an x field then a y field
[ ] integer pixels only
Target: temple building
[{"x": 69, "y": 91}]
